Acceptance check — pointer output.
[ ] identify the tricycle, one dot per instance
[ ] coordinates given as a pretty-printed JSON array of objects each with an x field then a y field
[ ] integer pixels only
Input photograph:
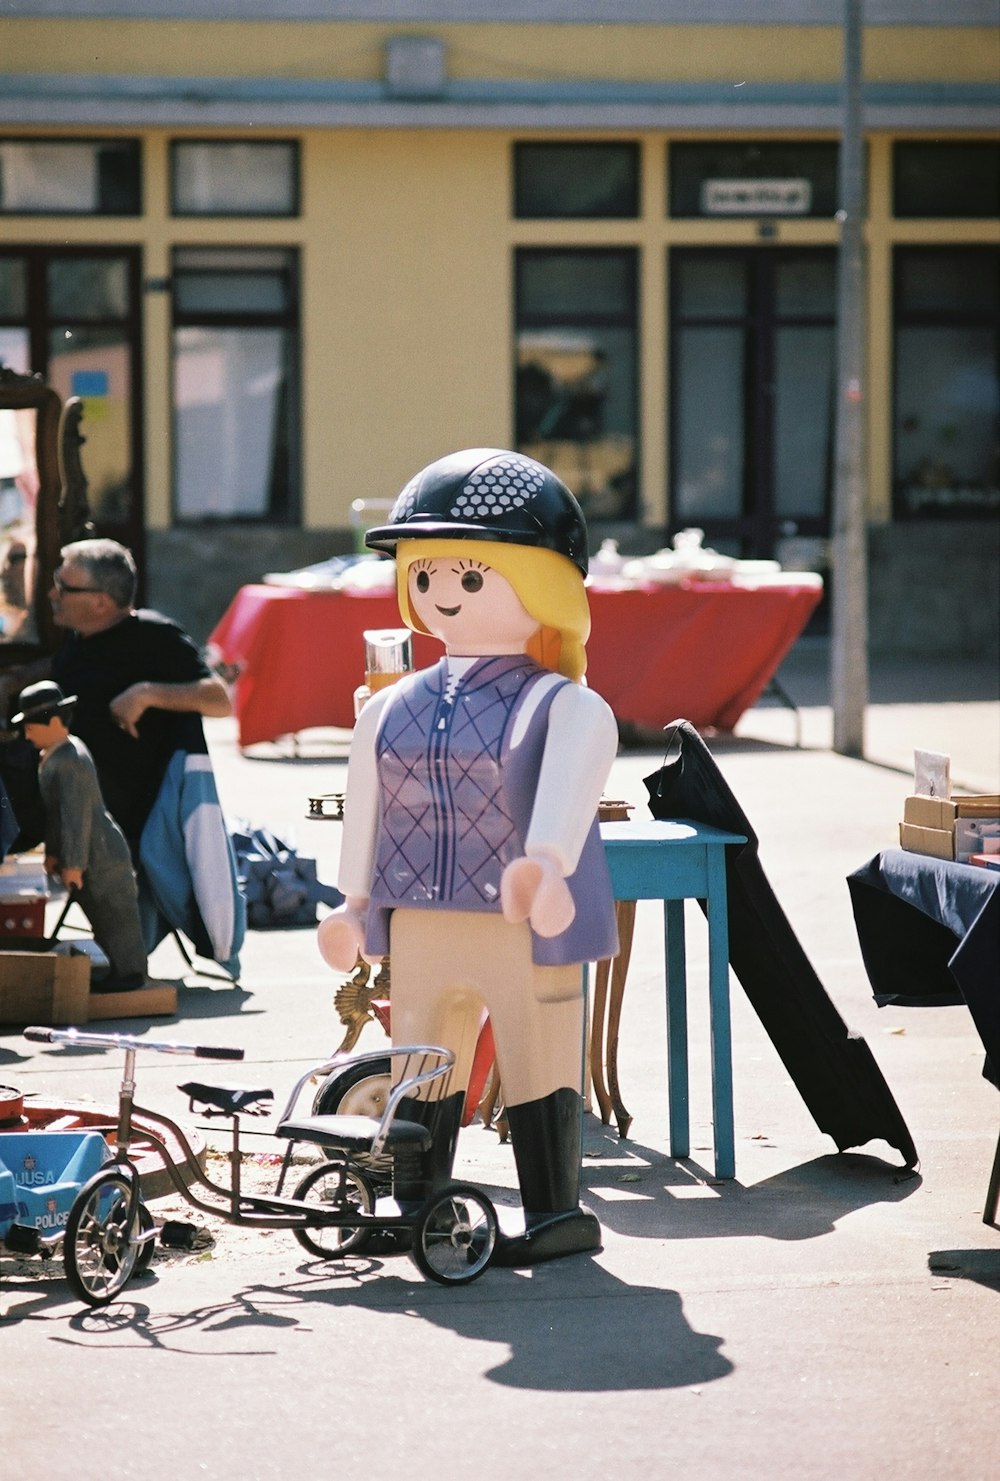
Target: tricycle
[{"x": 451, "y": 1232}]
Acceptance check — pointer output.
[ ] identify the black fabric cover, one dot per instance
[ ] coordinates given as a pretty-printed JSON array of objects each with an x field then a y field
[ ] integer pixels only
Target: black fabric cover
[
  {"x": 930, "y": 935},
  {"x": 835, "y": 1073}
]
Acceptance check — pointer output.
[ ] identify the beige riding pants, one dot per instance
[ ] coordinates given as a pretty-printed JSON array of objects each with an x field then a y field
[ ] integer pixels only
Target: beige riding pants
[{"x": 448, "y": 966}]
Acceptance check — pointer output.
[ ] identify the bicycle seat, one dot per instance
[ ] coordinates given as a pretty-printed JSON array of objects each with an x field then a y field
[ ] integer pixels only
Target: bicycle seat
[{"x": 227, "y": 1100}]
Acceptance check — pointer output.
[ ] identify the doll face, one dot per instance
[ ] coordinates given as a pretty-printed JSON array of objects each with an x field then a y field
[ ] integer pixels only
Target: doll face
[{"x": 469, "y": 606}]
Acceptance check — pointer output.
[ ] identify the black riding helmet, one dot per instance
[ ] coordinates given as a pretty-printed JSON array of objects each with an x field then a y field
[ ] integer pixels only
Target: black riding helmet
[{"x": 484, "y": 493}]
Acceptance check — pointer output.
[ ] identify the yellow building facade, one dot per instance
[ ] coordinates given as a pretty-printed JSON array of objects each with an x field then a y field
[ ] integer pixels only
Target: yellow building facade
[{"x": 287, "y": 254}]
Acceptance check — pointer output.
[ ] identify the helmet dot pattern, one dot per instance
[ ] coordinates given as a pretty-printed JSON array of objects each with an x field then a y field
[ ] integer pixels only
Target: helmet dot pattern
[
  {"x": 508, "y": 483},
  {"x": 406, "y": 502}
]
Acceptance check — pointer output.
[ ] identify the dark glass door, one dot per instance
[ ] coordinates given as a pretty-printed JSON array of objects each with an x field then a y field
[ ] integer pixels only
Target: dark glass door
[
  {"x": 752, "y": 372},
  {"x": 76, "y": 317}
]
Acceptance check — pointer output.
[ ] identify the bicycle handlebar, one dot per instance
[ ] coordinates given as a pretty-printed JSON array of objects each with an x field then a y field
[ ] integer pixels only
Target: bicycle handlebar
[{"x": 127, "y": 1041}]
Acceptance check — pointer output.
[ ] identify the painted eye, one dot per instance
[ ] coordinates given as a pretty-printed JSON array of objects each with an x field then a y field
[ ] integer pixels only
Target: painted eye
[
  {"x": 423, "y": 581},
  {"x": 472, "y": 581}
]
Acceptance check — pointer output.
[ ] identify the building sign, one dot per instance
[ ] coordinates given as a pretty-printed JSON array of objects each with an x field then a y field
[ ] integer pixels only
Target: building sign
[{"x": 756, "y": 197}]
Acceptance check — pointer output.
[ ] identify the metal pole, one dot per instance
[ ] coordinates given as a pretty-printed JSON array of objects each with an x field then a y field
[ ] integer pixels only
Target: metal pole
[{"x": 849, "y": 649}]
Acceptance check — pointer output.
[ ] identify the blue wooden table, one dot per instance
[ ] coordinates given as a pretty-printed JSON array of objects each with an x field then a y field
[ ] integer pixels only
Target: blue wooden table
[{"x": 674, "y": 862}]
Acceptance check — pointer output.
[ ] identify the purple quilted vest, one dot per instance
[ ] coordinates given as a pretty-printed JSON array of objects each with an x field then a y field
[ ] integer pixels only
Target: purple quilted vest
[{"x": 455, "y": 803}]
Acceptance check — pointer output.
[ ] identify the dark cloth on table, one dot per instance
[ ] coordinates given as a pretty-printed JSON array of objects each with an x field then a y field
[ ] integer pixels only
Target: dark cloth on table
[
  {"x": 834, "y": 1070},
  {"x": 929, "y": 931},
  {"x": 81, "y": 834},
  {"x": 145, "y": 646}
]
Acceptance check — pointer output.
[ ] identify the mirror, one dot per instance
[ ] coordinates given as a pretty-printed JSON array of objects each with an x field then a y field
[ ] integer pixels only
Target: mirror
[{"x": 43, "y": 505}]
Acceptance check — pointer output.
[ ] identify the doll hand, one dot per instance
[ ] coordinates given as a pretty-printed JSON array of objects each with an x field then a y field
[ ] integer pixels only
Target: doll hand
[
  {"x": 341, "y": 935},
  {"x": 534, "y": 890},
  {"x": 72, "y": 878}
]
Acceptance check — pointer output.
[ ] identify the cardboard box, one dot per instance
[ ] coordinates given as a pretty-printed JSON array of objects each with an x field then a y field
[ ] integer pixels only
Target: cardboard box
[
  {"x": 978, "y": 805},
  {"x": 929, "y": 812},
  {"x": 43, "y": 987},
  {"x": 938, "y": 842}
]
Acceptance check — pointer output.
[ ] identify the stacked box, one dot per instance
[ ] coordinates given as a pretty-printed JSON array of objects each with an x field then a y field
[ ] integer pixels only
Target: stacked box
[
  {"x": 950, "y": 827},
  {"x": 928, "y": 826}
]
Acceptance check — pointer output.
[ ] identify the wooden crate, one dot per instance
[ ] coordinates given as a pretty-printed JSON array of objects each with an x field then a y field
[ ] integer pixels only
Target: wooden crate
[{"x": 43, "y": 987}]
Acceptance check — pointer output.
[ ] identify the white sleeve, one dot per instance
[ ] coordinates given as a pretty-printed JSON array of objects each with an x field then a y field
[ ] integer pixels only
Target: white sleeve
[
  {"x": 357, "y": 847},
  {"x": 581, "y": 745}
]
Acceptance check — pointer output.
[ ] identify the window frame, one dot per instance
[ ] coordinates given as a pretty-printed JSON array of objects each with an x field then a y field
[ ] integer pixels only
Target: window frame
[
  {"x": 629, "y": 514},
  {"x": 811, "y": 147},
  {"x": 973, "y": 318},
  {"x": 134, "y": 145},
  {"x": 946, "y": 146},
  {"x": 521, "y": 147},
  {"x": 295, "y": 211},
  {"x": 288, "y": 320}
]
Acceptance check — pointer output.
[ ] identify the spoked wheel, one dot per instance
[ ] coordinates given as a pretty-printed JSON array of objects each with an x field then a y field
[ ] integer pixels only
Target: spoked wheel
[
  {"x": 360, "y": 1090},
  {"x": 456, "y": 1235},
  {"x": 339, "y": 1189},
  {"x": 101, "y": 1249}
]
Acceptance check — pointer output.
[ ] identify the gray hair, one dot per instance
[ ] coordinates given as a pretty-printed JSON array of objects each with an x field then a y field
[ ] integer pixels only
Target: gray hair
[{"x": 108, "y": 565}]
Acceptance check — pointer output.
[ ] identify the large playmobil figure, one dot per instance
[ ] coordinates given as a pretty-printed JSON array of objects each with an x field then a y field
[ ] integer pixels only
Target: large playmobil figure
[{"x": 471, "y": 851}]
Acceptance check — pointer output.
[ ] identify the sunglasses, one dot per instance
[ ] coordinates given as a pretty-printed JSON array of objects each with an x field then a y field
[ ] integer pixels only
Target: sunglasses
[{"x": 64, "y": 589}]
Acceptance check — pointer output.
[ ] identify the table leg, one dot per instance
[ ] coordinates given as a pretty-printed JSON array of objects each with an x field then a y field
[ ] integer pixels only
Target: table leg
[
  {"x": 677, "y": 1061},
  {"x": 721, "y": 1029},
  {"x": 601, "y": 975},
  {"x": 619, "y": 971}
]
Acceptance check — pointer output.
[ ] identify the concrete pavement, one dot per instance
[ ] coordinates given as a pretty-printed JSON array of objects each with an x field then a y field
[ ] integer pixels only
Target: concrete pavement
[{"x": 820, "y": 1315}]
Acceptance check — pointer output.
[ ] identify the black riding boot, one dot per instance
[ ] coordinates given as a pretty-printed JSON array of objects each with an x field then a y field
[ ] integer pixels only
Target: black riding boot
[
  {"x": 415, "y": 1175},
  {"x": 546, "y": 1138}
]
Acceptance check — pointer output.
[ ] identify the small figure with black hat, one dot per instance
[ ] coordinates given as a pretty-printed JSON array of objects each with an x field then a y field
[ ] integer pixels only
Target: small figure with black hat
[
  {"x": 471, "y": 852},
  {"x": 84, "y": 846}
]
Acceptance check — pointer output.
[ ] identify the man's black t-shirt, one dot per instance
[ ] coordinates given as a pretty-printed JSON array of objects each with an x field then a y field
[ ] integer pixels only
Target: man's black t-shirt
[{"x": 143, "y": 646}]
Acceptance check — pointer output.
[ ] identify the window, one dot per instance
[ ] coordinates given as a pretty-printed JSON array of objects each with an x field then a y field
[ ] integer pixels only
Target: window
[
  {"x": 236, "y": 178},
  {"x": 751, "y": 399},
  {"x": 756, "y": 179},
  {"x": 576, "y": 180},
  {"x": 947, "y": 386},
  {"x": 236, "y": 370},
  {"x": 576, "y": 390},
  {"x": 953, "y": 179},
  {"x": 70, "y": 177}
]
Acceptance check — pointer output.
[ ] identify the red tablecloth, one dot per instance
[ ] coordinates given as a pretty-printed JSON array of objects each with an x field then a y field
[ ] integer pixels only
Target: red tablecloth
[{"x": 702, "y": 652}]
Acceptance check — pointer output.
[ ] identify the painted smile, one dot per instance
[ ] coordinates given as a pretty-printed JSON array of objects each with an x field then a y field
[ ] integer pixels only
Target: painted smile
[{"x": 449, "y": 611}]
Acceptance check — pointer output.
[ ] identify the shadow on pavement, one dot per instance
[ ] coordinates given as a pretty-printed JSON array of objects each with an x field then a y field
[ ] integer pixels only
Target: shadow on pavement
[
  {"x": 602, "y": 1336},
  {"x": 800, "y": 1203}
]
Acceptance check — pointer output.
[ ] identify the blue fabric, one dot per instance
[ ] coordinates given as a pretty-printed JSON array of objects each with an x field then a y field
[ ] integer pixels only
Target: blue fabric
[{"x": 188, "y": 865}]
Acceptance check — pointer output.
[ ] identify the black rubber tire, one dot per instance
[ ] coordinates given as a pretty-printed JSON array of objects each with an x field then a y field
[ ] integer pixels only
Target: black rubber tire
[
  {"x": 100, "y": 1253},
  {"x": 147, "y": 1225},
  {"x": 456, "y": 1234},
  {"x": 360, "y": 1090},
  {"x": 331, "y": 1184}
]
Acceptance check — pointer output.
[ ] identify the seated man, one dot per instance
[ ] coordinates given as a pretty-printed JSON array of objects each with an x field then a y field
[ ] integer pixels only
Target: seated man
[
  {"x": 142, "y": 688},
  {"x": 136, "y": 676},
  {"x": 84, "y": 846}
]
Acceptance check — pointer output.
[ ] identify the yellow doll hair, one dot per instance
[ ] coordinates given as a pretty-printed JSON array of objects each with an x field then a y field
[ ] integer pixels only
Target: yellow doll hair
[{"x": 548, "y": 584}]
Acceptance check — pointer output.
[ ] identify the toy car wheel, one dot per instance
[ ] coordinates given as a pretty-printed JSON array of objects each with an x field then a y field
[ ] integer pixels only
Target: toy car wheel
[
  {"x": 456, "y": 1235},
  {"x": 100, "y": 1250},
  {"x": 339, "y": 1189},
  {"x": 360, "y": 1090}
]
